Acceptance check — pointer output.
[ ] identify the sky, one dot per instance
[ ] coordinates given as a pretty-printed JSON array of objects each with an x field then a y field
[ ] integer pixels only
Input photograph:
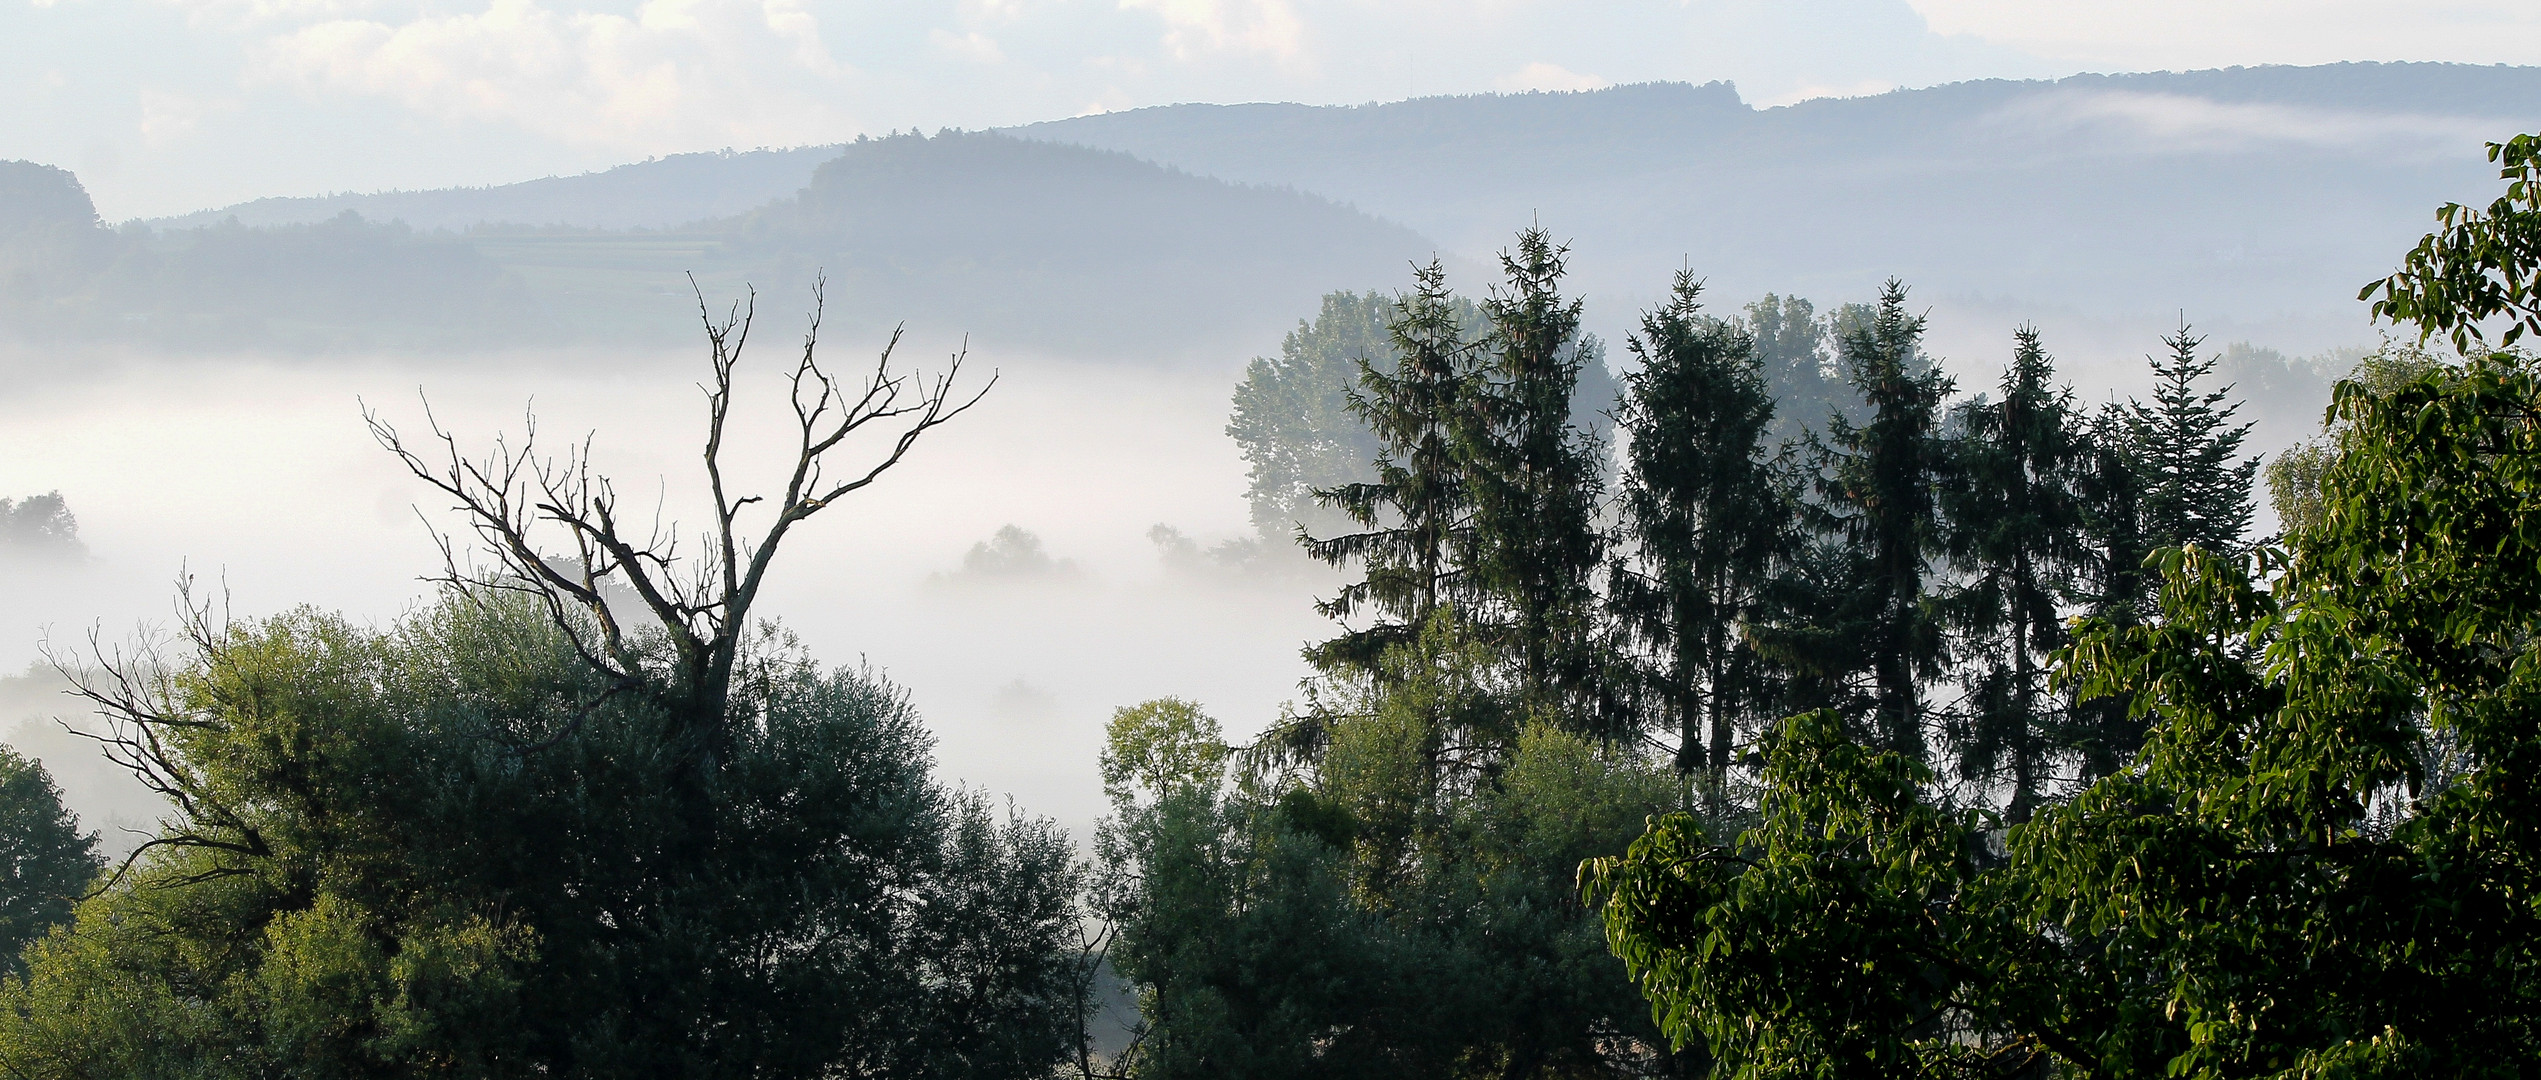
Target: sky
[{"x": 168, "y": 106}]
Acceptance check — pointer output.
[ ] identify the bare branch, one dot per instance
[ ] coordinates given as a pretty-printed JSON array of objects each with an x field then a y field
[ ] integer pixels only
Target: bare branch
[{"x": 513, "y": 495}]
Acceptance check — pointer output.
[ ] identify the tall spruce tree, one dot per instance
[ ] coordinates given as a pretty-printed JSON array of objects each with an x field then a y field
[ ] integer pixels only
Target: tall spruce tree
[
  {"x": 2193, "y": 490},
  {"x": 1537, "y": 479},
  {"x": 2103, "y": 732},
  {"x": 1414, "y": 517},
  {"x": 1878, "y": 495},
  {"x": 1705, "y": 515},
  {"x": 2016, "y": 535}
]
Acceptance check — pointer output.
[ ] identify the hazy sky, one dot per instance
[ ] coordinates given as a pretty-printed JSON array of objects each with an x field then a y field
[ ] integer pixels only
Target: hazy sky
[{"x": 164, "y": 106}]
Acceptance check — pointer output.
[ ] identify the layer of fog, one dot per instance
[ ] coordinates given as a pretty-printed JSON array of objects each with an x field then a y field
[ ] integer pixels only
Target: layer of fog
[
  {"x": 260, "y": 480},
  {"x": 258, "y": 477}
]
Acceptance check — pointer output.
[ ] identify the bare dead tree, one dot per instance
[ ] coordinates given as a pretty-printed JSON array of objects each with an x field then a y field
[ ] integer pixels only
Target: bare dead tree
[{"x": 519, "y": 502}]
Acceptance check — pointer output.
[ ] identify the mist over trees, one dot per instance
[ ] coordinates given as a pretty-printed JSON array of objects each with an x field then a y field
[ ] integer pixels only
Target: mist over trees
[{"x": 1781, "y": 706}]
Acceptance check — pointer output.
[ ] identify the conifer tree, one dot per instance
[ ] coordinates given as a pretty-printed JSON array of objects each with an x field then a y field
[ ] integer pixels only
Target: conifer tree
[
  {"x": 1414, "y": 516},
  {"x": 1705, "y": 515},
  {"x": 2016, "y": 535},
  {"x": 2103, "y": 732},
  {"x": 1877, "y": 495},
  {"x": 2193, "y": 490},
  {"x": 1537, "y": 479}
]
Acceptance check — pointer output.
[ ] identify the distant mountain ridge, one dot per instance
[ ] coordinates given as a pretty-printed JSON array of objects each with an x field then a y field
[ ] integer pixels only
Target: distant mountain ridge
[
  {"x": 2254, "y": 199},
  {"x": 1026, "y": 245},
  {"x": 2258, "y": 192},
  {"x": 659, "y": 193}
]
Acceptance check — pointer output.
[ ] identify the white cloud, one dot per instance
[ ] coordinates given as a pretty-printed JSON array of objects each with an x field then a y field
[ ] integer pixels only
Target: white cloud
[
  {"x": 167, "y": 117},
  {"x": 975, "y": 47},
  {"x": 252, "y": 12},
  {"x": 1542, "y": 76},
  {"x": 679, "y": 74},
  {"x": 2208, "y": 33},
  {"x": 2182, "y": 122},
  {"x": 1196, "y": 28}
]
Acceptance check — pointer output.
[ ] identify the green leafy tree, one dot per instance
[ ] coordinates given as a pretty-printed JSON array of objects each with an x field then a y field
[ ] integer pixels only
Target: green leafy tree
[
  {"x": 2016, "y": 533},
  {"x": 46, "y": 864},
  {"x": 1294, "y": 421},
  {"x": 1790, "y": 353},
  {"x": 1397, "y": 907},
  {"x": 2294, "y": 475},
  {"x": 1705, "y": 516},
  {"x": 2480, "y": 265},
  {"x": 1833, "y": 939}
]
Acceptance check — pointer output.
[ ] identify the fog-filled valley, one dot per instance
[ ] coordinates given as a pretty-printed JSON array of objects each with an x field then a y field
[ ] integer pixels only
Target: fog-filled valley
[
  {"x": 191, "y": 385},
  {"x": 1090, "y": 585},
  {"x": 258, "y": 478}
]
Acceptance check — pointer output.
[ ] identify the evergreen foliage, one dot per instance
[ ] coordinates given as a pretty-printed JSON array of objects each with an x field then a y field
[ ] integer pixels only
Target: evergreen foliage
[
  {"x": 1415, "y": 517},
  {"x": 1878, "y": 495},
  {"x": 2318, "y": 862},
  {"x": 2016, "y": 535},
  {"x": 1536, "y": 482},
  {"x": 2193, "y": 491},
  {"x": 1706, "y": 517}
]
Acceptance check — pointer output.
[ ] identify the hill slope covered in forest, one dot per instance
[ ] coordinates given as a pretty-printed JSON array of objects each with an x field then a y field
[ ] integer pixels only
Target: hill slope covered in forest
[{"x": 2249, "y": 193}]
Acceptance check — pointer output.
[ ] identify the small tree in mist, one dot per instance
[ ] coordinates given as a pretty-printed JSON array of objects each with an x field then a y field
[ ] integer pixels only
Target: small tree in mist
[
  {"x": 40, "y": 526},
  {"x": 1293, "y": 419}
]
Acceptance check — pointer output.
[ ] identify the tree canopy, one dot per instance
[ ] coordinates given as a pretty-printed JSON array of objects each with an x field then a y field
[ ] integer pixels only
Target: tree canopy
[{"x": 2318, "y": 864}]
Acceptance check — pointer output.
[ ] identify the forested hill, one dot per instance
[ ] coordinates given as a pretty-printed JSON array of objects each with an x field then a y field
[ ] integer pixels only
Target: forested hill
[
  {"x": 657, "y": 194},
  {"x": 2247, "y": 192},
  {"x": 1023, "y": 245},
  {"x": 2252, "y": 201},
  {"x": 1072, "y": 248}
]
